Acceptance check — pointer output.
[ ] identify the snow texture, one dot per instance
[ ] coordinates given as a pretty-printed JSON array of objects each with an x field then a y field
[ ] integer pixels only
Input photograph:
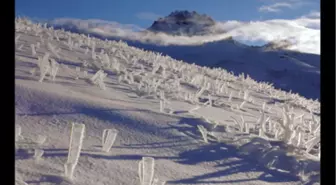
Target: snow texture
[{"x": 130, "y": 104}]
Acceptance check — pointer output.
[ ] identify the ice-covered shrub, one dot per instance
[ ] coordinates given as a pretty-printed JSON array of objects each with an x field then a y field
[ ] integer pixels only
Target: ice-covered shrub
[
  {"x": 75, "y": 146},
  {"x": 162, "y": 101},
  {"x": 17, "y": 38},
  {"x": 313, "y": 141},
  {"x": 41, "y": 139},
  {"x": 69, "y": 169},
  {"x": 116, "y": 65},
  {"x": 53, "y": 68},
  {"x": 70, "y": 43},
  {"x": 223, "y": 89},
  {"x": 38, "y": 45},
  {"x": 53, "y": 50},
  {"x": 85, "y": 73},
  {"x": 241, "y": 124},
  {"x": 230, "y": 97},
  {"x": 20, "y": 47},
  {"x": 262, "y": 123},
  {"x": 56, "y": 36},
  {"x": 245, "y": 98},
  {"x": 108, "y": 138},
  {"x": 98, "y": 79},
  {"x": 77, "y": 69},
  {"x": 204, "y": 132},
  {"x": 146, "y": 170},
  {"x": 38, "y": 153},
  {"x": 18, "y": 135},
  {"x": 199, "y": 93},
  {"x": 41, "y": 39},
  {"x": 44, "y": 66},
  {"x": 287, "y": 126},
  {"x": 209, "y": 102},
  {"x": 33, "y": 49},
  {"x": 106, "y": 60}
]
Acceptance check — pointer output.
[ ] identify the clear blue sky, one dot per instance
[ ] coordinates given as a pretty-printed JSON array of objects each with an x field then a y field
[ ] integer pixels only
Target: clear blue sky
[{"x": 142, "y": 12}]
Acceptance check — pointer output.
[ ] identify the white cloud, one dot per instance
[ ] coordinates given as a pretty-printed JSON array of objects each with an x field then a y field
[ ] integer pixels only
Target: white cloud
[
  {"x": 280, "y": 5},
  {"x": 313, "y": 14},
  {"x": 305, "y": 39},
  {"x": 304, "y": 31},
  {"x": 107, "y": 26},
  {"x": 275, "y": 7},
  {"x": 148, "y": 16},
  {"x": 311, "y": 20}
]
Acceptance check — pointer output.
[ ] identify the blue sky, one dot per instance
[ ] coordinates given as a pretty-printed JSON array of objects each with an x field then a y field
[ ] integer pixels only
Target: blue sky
[{"x": 143, "y": 12}]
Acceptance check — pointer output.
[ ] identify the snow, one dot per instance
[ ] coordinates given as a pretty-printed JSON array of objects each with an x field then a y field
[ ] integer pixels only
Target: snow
[
  {"x": 218, "y": 50},
  {"x": 181, "y": 157}
]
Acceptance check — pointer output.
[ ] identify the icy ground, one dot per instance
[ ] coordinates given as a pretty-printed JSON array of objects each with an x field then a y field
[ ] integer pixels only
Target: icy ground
[{"x": 132, "y": 107}]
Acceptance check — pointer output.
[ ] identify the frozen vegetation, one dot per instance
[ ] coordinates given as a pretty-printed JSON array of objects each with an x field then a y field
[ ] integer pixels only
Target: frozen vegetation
[{"x": 91, "y": 111}]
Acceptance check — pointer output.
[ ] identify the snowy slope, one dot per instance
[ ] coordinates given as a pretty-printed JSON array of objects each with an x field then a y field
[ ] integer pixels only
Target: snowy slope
[
  {"x": 182, "y": 157},
  {"x": 287, "y": 70}
]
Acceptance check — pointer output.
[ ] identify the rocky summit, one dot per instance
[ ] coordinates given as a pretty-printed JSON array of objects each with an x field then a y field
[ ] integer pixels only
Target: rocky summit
[{"x": 183, "y": 23}]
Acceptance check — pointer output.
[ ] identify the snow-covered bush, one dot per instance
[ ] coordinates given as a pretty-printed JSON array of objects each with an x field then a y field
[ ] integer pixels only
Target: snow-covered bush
[
  {"x": 287, "y": 125},
  {"x": 241, "y": 124},
  {"x": 53, "y": 50},
  {"x": 209, "y": 102},
  {"x": 33, "y": 49},
  {"x": 108, "y": 138},
  {"x": 146, "y": 170},
  {"x": 20, "y": 47},
  {"x": 199, "y": 93},
  {"x": 262, "y": 123},
  {"x": 204, "y": 133},
  {"x": 230, "y": 97},
  {"x": 44, "y": 66},
  {"x": 53, "y": 68},
  {"x": 38, "y": 153},
  {"x": 246, "y": 99},
  {"x": 41, "y": 139},
  {"x": 98, "y": 79},
  {"x": 75, "y": 146},
  {"x": 17, "y": 38},
  {"x": 162, "y": 101},
  {"x": 18, "y": 135}
]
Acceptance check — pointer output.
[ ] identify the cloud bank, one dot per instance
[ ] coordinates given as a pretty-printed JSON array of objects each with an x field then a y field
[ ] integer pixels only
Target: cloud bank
[{"x": 303, "y": 32}]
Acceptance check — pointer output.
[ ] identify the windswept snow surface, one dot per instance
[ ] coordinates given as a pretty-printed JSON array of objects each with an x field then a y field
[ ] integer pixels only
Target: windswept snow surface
[{"x": 132, "y": 106}]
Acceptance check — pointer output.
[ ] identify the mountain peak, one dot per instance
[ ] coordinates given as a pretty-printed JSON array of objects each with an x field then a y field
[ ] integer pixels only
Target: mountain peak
[
  {"x": 183, "y": 22},
  {"x": 278, "y": 44}
]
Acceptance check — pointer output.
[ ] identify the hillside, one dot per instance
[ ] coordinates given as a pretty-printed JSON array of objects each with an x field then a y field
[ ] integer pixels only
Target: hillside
[
  {"x": 201, "y": 125},
  {"x": 293, "y": 71}
]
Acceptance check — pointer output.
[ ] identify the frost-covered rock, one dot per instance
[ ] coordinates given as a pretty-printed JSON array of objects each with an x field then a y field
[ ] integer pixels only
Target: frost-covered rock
[{"x": 183, "y": 23}]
